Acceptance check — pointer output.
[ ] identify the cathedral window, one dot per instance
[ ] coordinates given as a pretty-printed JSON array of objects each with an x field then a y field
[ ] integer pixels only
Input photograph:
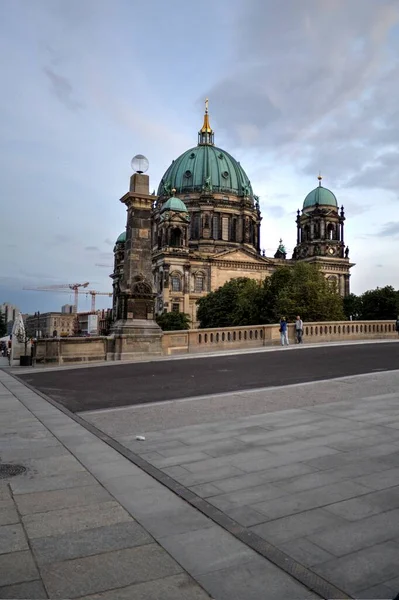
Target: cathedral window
[
  {"x": 176, "y": 307},
  {"x": 195, "y": 227},
  {"x": 331, "y": 232},
  {"x": 176, "y": 237},
  {"x": 216, "y": 227},
  {"x": 234, "y": 230},
  {"x": 225, "y": 228},
  {"x": 176, "y": 283},
  {"x": 199, "y": 282}
]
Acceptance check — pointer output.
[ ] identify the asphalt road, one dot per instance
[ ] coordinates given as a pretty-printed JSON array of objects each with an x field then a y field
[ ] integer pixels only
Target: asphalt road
[{"x": 126, "y": 384}]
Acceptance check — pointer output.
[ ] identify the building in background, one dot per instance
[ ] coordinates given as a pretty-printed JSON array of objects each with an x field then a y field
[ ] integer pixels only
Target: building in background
[
  {"x": 10, "y": 313},
  {"x": 68, "y": 308},
  {"x": 50, "y": 324}
]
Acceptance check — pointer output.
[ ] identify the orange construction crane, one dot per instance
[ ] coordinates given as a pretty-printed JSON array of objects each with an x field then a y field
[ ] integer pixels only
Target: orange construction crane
[
  {"x": 62, "y": 287},
  {"x": 93, "y": 294}
]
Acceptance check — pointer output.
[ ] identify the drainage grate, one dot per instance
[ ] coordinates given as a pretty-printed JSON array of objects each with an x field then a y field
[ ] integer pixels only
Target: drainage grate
[{"x": 11, "y": 470}]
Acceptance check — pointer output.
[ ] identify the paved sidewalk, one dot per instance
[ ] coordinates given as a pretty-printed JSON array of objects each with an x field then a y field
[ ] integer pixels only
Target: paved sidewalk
[
  {"x": 84, "y": 522},
  {"x": 312, "y": 469}
]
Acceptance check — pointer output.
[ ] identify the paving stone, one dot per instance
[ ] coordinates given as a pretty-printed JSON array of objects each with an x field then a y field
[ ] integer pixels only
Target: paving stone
[
  {"x": 242, "y": 481},
  {"x": 109, "y": 470},
  {"x": 253, "y": 580},
  {"x": 58, "y": 522},
  {"x": 88, "y": 542},
  {"x": 27, "y": 484},
  {"x": 246, "y": 516},
  {"x": 54, "y": 465},
  {"x": 8, "y": 515},
  {"x": 12, "y": 539},
  {"x": 297, "y": 526},
  {"x": 206, "y": 550},
  {"x": 208, "y": 476},
  {"x": 380, "y": 480},
  {"x": 377, "y": 592},
  {"x": 85, "y": 576},
  {"x": 205, "y": 490},
  {"x": 351, "y": 537},
  {"x": 247, "y": 496},
  {"x": 367, "y": 505},
  {"x": 323, "y": 496},
  {"x": 17, "y": 567},
  {"x": 35, "y": 452},
  {"x": 305, "y": 552},
  {"x": 5, "y": 494},
  {"x": 33, "y": 590},
  {"x": 176, "y": 587},
  {"x": 363, "y": 569},
  {"x": 57, "y": 499}
]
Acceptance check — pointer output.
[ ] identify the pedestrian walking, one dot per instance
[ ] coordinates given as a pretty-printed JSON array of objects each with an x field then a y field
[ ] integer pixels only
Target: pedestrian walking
[
  {"x": 299, "y": 330},
  {"x": 284, "y": 332},
  {"x": 397, "y": 325}
]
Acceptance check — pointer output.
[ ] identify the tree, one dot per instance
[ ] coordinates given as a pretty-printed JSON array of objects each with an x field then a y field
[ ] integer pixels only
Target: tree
[
  {"x": 353, "y": 306},
  {"x": 237, "y": 302},
  {"x": 381, "y": 303},
  {"x": 3, "y": 325},
  {"x": 303, "y": 290},
  {"x": 173, "y": 321}
]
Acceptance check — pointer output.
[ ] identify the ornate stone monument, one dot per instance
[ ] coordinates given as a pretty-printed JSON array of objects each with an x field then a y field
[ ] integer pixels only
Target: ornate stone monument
[{"x": 135, "y": 331}]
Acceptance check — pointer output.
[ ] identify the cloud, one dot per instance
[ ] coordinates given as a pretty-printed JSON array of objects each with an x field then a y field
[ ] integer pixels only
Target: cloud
[
  {"x": 62, "y": 89},
  {"x": 92, "y": 248},
  {"x": 390, "y": 230},
  {"x": 108, "y": 242},
  {"x": 316, "y": 83},
  {"x": 275, "y": 212}
]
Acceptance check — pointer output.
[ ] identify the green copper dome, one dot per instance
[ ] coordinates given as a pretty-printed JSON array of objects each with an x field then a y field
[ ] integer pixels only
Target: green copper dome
[
  {"x": 321, "y": 196},
  {"x": 205, "y": 168},
  {"x": 122, "y": 238},
  {"x": 175, "y": 205}
]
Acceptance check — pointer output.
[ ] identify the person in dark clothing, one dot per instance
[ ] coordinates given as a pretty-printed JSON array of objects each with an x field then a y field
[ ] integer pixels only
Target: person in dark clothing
[{"x": 284, "y": 332}]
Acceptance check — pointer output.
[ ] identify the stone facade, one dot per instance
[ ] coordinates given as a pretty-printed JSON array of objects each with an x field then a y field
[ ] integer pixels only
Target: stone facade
[
  {"x": 135, "y": 329},
  {"x": 211, "y": 232},
  {"x": 50, "y": 324}
]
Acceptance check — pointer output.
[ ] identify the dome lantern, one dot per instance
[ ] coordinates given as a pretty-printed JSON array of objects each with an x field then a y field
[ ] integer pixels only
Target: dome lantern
[{"x": 205, "y": 134}]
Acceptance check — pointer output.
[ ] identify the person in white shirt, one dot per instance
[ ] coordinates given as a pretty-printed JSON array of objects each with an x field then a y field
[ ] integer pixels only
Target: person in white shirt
[{"x": 299, "y": 330}]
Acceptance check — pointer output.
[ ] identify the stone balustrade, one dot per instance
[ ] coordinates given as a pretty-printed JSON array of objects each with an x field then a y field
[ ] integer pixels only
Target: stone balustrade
[{"x": 196, "y": 341}]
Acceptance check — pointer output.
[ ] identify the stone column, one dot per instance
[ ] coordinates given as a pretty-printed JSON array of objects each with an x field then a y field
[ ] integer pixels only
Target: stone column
[{"x": 135, "y": 330}]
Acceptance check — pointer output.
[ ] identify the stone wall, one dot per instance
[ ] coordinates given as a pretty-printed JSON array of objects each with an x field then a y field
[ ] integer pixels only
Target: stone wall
[
  {"x": 94, "y": 349},
  {"x": 71, "y": 350},
  {"x": 230, "y": 338}
]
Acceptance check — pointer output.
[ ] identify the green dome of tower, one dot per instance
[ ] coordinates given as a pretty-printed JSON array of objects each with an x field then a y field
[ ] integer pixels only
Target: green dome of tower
[
  {"x": 205, "y": 168},
  {"x": 122, "y": 238},
  {"x": 321, "y": 196},
  {"x": 175, "y": 205}
]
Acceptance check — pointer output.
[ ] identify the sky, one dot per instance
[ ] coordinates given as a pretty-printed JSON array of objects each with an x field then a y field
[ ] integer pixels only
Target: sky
[{"x": 295, "y": 88}]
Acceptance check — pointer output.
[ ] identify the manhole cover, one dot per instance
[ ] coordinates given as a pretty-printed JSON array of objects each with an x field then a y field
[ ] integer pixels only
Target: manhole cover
[{"x": 11, "y": 470}]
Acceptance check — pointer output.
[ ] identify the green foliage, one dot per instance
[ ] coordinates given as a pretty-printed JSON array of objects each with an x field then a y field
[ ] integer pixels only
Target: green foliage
[
  {"x": 381, "y": 303},
  {"x": 353, "y": 306},
  {"x": 237, "y": 302},
  {"x": 3, "y": 325},
  {"x": 301, "y": 289},
  {"x": 173, "y": 321},
  {"x": 378, "y": 304}
]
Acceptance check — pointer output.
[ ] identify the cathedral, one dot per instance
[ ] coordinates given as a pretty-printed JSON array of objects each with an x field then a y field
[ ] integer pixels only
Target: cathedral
[{"x": 204, "y": 229}]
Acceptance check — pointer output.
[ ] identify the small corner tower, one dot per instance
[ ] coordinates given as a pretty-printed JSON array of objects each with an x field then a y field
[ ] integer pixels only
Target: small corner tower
[{"x": 320, "y": 236}]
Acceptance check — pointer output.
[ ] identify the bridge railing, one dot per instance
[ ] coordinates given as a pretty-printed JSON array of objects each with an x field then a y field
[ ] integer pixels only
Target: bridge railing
[{"x": 208, "y": 340}]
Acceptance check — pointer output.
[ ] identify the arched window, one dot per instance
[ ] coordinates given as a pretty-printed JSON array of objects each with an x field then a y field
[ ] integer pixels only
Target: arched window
[
  {"x": 175, "y": 281},
  {"x": 331, "y": 232},
  {"x": 199, "y": 282},
  {"x": 176, "y": 237}
]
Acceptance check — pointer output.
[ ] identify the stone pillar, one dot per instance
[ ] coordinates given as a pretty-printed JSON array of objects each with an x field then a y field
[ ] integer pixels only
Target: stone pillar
[{"x": 136, "y": 333}]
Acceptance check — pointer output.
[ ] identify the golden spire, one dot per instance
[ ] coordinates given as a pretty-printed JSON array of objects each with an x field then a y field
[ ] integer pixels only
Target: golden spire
[
  {"x": 320, "y": 178},
  {"x": 206, "y": 128}
]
